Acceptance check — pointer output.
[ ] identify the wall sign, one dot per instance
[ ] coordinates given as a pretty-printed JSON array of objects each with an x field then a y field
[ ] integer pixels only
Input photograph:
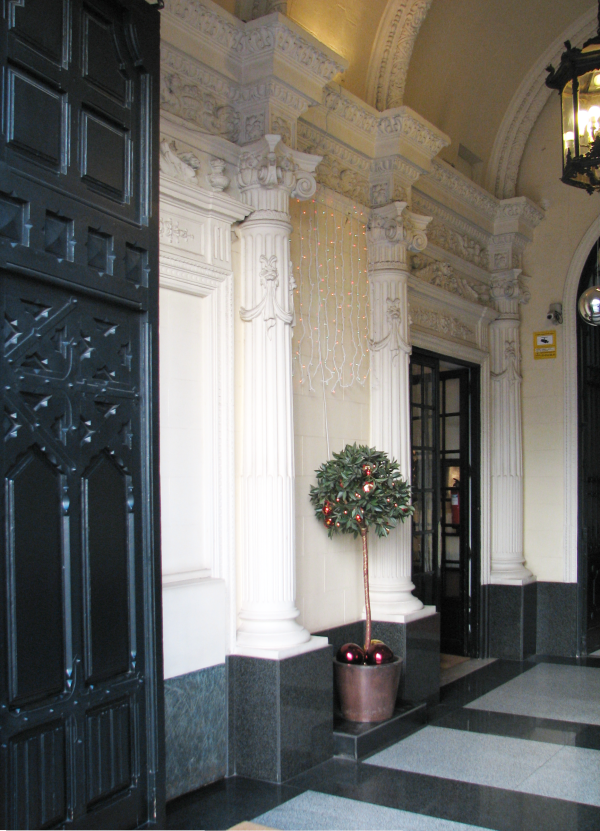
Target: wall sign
[{"x": 544, "y": 345}]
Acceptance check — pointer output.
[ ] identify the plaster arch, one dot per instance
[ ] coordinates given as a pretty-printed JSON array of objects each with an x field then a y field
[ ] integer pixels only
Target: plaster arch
[
  {"x": 392, "y": 50},
  {"x": 570, "y": 397},
  {"x": 525, "y": 107}
]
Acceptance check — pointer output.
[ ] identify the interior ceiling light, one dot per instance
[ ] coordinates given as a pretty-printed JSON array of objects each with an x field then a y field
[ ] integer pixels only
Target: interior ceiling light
[{"x": 578, "y": 81}]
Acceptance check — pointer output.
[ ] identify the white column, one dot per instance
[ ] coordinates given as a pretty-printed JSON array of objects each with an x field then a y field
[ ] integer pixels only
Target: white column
[
  {"x": 269, "y": 174},
  {"x": 392, "y": 232},
  {"x": 508, "y": 561}
]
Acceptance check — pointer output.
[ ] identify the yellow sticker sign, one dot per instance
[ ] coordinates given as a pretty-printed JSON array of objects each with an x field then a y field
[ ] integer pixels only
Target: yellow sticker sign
[{"x": 544, "y": 345}]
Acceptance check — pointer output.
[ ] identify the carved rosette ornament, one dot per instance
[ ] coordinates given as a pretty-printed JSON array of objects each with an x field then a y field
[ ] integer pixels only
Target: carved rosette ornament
[
  {"x": 508, "y": 560},
  {"x": 269, "y": 174},
  {"x": 392, "y": 233}
]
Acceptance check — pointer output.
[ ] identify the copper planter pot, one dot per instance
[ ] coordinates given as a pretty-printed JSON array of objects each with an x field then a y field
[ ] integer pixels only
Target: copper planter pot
[{"x": 367, "y": 693}]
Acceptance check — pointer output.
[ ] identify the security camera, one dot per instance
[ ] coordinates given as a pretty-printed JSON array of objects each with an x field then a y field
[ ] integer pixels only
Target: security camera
[{"x": 555, "y": 313}]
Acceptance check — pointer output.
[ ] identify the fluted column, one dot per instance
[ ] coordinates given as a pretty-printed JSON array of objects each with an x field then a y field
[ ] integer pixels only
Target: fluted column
[
  {"x": 508, "y": 561},
  {"x": 269, "y": 174},
  {"x": 392, "y": 232}
]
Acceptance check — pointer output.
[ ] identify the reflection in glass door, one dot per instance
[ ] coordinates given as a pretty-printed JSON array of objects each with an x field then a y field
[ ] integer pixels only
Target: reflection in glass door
[{"x": 445, "y": 478}]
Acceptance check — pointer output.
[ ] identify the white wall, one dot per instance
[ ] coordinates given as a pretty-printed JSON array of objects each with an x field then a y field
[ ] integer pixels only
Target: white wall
[
  {"x": 328, "y": 572},
  {"x": 570, "y": 212}
]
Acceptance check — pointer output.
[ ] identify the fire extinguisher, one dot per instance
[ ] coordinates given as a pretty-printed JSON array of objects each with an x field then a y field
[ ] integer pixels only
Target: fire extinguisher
[{"x": 455, "y": 502}]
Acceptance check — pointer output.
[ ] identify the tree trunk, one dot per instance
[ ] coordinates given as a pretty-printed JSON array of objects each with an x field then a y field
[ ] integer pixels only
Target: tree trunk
[{"x": 363, "y": 533}]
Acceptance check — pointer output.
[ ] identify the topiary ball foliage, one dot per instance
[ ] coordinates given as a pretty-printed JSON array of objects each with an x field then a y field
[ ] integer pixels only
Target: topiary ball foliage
[{"x": 360, "y": 488}]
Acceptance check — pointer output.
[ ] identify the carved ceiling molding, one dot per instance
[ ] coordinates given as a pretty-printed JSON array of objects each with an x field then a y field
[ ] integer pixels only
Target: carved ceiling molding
[
  {"x": 235, "y": 38},
  {"x": 525, "y": 107},
  {"x": 392, "y": 51},
  {"x": 463, "y": 188},
  {"x": 423, "y": 204}
]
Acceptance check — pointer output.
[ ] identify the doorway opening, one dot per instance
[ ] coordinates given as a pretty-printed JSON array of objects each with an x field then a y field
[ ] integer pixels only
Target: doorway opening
[
  {"x": 588, "y": 404},
  {"x": 445, "y": 440}
]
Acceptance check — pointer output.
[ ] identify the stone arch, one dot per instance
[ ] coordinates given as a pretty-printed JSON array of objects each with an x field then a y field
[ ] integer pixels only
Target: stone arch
[
  {"x": 392, "y": 51},
  {"x": 525, "y": 108}
]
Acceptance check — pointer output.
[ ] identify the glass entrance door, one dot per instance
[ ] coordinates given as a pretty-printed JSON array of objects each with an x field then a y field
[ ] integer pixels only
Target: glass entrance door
[{"x": 445, "y": 478}]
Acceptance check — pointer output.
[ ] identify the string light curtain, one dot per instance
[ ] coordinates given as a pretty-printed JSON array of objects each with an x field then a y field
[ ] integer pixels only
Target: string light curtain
[{"x": 331, "y": 295}]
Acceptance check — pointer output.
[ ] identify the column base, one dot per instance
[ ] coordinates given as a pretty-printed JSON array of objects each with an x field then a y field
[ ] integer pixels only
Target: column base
[
  {"x": 512, "y": 620},
  {"x": 280, "y": 714},
  {"x": 510, "y": 580}
]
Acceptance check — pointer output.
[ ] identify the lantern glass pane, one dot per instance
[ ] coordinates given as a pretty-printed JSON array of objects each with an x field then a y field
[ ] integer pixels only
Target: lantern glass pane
[
  {"x": 568, "y": 122},
  {"x": 588, "y": 110}
]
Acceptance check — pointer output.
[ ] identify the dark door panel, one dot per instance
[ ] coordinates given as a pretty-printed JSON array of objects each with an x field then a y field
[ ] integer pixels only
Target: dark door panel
[{"x": 80, "y": 694}]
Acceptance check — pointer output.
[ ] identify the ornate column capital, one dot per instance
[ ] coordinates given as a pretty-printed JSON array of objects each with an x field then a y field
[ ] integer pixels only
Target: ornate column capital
[
  {"x": 508, "y": 292},
  {"x": 270, "y": 173},
  {"x": 393, "y": 231}
]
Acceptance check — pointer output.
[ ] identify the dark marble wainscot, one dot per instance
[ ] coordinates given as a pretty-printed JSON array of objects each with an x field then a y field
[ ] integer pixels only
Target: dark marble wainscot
[
  {"x": 280, "y": 714},
  {"x": 512, "y": 621},
  {"x": 557, "y": 619},
  {"x": 416, "y": 642},
  {"x": 195, "y": 729}
]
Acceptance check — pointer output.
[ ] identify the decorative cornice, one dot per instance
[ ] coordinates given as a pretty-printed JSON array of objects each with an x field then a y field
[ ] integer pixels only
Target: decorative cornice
[
  {"x": 392, "y": 50},
  {"x": 426, "y": 205},
  {"x": 406, "y": 123},
  {"x": 524, "y": 109},
  {"x": 257, "y": 38},
  {"x": 463, "y": 188},
  {"x": 336, "y": 100}
]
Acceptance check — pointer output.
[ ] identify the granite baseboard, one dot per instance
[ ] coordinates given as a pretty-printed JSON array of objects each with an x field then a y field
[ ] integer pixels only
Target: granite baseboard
[
  {"x": 195, "y": 729},
  {"x": 280, "y": 714},
  {"x": 512, "y": 621},
  {"x": 557, "y": 619}
]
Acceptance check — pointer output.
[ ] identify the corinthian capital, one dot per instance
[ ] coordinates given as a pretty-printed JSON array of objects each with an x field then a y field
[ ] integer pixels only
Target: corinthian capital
[
  {"x": 270, "y": 172},
  {"x": 509, "y": 292},
  {"x": 392, "y": 232}
]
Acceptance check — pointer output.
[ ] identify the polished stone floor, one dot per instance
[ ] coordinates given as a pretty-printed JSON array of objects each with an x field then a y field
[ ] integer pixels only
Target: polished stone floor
[{"x": 512, "y": 746}]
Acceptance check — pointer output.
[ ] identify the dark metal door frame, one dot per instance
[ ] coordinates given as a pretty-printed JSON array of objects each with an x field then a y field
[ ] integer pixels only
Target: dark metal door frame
[{"x": 430, "y": 585}]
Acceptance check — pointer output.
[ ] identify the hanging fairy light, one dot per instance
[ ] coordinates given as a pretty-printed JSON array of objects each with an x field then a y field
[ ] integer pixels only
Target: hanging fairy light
[{"x": 331, "y": 297}]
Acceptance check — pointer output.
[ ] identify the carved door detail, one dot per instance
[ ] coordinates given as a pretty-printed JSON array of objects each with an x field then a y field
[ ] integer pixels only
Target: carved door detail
[{"x": 79, "y": 638}]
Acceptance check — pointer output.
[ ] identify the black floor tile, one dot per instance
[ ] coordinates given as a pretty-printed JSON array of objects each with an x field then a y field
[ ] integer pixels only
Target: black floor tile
[
  {"x": 549, "y": 730},
  {"x": 226, "y": 803}
]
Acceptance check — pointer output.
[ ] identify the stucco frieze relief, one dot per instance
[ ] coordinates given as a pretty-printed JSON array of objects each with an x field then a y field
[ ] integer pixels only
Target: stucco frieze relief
[
  {"x": 272, "y": 90},
  {"x": 449, "y": 217},
  {"x": 341, "y": 170},
  {"x": 243, "y": 42},
  {"x": 184, "y": 166},
  {"x": 170, "y": 231},
  {"x": 442, "y": 323},
  {"x": 462, "y": 245},
  {"x": 395, "y": 165},
  {"x": 444, "y": 276}
]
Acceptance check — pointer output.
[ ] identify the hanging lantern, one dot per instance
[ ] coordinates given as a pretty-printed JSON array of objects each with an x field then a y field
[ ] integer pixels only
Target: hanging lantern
[{"x": 578, "y": 81}]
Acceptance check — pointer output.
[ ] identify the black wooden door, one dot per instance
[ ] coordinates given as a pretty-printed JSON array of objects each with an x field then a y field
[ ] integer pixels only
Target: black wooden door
[
  {"x": 80, "y": 695},
  {"x": 588, "y": 342}
]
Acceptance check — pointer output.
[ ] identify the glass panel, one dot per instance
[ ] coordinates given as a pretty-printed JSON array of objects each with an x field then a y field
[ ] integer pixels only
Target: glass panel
[
  {"x": 427, "y": 385},
  {"x": 452, "y": 549},
  {"x": 452, "y": 388},
  {"x": 568, "y": 122},
  {"x": 427, "y": 470},
  {"x": 416, "y": 385},
  {"x": 417, "y": 556},
  {"x": 452, "y": 476},
  {"x": 417, "y": 469},
  {"x": 416, "y": 428},
  {"x": 452, "y": 428},
  {"x": 418, "y": 513},
  {"x": 452, "y": 584},
  {"x": 427, "y": 428},
  {"x": 428, "y": 511},
  {"x": 427, "y": 548}
]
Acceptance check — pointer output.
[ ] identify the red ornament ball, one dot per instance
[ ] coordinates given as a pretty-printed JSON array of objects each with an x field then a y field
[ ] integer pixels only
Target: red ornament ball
[
  {"x": 379, "y": 653},
  {"x": 368, "y": 469},
  {"x": 327, "y": 508},
  {"x": 368, "y": 487},
  {"x": 350, "y": 653},
  {"x": 329, "y": 522}
]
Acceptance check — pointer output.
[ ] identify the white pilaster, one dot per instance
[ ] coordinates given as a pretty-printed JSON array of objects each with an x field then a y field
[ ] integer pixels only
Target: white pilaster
[
  {"x": 392, "y": 232},
  {"x": 269, "y": 174},
  {"x": 508, "y": 561}
]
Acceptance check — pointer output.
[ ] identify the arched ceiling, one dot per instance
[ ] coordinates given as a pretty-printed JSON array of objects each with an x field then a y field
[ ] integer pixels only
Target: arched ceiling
[
  {"x": 470, "y": 57},
  {"x": 458, "y": 63}
]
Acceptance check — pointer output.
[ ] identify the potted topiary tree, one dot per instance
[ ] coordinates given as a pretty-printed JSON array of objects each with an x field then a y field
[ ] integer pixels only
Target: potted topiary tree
[{"x": 362, "y": 488}]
